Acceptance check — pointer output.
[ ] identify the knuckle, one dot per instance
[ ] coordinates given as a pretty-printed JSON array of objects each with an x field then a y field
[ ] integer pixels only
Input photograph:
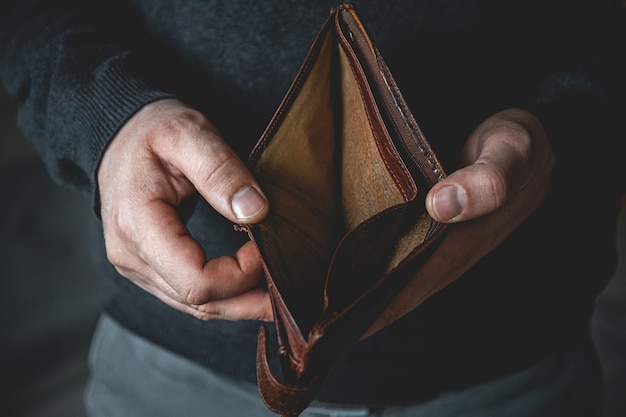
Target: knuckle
[
  {"x": 497, "y": 188},
  {"x": 115, "y": 246},
  {"x": 201, "y": 315},
  {"x": 115, "y": 255},
  {"x": 207, "y": 311},
  {"x": 183, "y": 120},
  {"x": 195, "y": 295},
  {"x": 170, "y": 132},
  {"x": 218, "y": 170}
]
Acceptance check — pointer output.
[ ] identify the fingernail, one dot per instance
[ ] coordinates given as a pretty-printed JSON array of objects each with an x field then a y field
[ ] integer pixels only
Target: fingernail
[
  {"x": 248, "y": 203},
  {"x": 449, "y": 202}
]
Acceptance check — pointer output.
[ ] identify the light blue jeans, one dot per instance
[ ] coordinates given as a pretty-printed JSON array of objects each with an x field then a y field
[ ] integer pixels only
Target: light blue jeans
[{"x": 132, "y": 377}]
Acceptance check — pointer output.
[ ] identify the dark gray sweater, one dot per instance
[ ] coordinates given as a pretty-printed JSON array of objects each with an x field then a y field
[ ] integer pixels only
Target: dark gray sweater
[{"x": 78, "y": 71}]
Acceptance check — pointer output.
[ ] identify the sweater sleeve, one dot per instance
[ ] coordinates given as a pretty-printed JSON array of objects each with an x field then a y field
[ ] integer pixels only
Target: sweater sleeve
[{"x": 76, "y": 79}]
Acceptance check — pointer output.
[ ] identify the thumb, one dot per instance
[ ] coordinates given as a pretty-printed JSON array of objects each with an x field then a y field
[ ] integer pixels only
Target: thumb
[
  {"x": 499, "y": 154},
  {"x": 468, "y": 193},
  {"x": 197, "y": 150}
]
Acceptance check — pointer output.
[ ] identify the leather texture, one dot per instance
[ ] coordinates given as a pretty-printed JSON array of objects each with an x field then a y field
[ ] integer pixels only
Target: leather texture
[{"x": 346, "y": 169}]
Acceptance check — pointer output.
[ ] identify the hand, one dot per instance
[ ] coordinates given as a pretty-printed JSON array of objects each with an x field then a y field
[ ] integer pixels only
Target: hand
[
  {"x": 162, "y": 155},
  {"x": 507, "y": 165}
]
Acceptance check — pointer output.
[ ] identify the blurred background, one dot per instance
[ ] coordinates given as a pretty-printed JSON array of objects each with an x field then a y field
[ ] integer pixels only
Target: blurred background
[{"x": 51, "y": 296}]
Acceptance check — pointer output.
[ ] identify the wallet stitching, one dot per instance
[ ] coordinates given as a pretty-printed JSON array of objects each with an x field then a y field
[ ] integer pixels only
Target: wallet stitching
[
  {"x": 410, "y": 122},
  {"x": 381, "y": 149}
]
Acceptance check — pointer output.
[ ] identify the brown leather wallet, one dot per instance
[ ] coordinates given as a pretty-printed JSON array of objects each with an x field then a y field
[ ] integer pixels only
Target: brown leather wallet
[{"x": 345, "y": 168}]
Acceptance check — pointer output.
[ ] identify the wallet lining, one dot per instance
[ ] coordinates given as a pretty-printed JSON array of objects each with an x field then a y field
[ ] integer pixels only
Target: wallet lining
[{"x": 338, "y": 180}]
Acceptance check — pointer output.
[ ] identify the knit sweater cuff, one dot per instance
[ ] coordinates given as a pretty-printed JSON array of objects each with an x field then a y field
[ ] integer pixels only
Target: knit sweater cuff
[{"x": 102, "y": 110}]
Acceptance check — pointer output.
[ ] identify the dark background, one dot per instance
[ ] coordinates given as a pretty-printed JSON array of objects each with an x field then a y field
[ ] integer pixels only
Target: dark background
[{"x": 50, "y": 295}]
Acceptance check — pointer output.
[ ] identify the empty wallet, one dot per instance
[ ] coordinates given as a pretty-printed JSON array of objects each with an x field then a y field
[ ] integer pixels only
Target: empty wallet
[{"x": 346, "y": 169}]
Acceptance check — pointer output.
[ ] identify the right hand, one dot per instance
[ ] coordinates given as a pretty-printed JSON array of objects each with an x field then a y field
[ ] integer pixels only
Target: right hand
[{"x": 163, "y": 154}]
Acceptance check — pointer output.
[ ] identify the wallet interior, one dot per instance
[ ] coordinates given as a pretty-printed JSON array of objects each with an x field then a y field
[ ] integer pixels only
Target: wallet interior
[{"x": 338, "y": 210}]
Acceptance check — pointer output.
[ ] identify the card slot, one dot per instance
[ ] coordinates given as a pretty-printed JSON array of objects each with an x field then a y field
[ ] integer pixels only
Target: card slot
[
  {"x": 301, "y": 282},
  {"x": 297, "y": 241},
  {"x": 365, "y": 255}
]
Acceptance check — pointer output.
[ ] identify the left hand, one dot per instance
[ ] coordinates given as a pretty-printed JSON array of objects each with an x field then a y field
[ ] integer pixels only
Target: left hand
[{"x": 507, "y": 165}]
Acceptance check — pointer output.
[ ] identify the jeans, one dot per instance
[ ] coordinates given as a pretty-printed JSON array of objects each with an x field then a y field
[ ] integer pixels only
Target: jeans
[{"x": 132, "y": 377}]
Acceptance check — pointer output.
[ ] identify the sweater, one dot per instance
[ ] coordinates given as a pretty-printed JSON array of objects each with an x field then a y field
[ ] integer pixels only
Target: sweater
[{"x": 79, "y": 70}]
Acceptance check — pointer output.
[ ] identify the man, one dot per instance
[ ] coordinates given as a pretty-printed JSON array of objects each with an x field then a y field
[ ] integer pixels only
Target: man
[{"x": 151, "y": 108}]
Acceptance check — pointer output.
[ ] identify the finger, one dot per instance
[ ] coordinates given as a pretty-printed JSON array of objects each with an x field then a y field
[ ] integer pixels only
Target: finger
[
  {"x": 251, "y": 305},
  {"x": 153, "y": 284},
  {"x": 198, "y": 151},
  {"x": 166, "y": 246}
]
